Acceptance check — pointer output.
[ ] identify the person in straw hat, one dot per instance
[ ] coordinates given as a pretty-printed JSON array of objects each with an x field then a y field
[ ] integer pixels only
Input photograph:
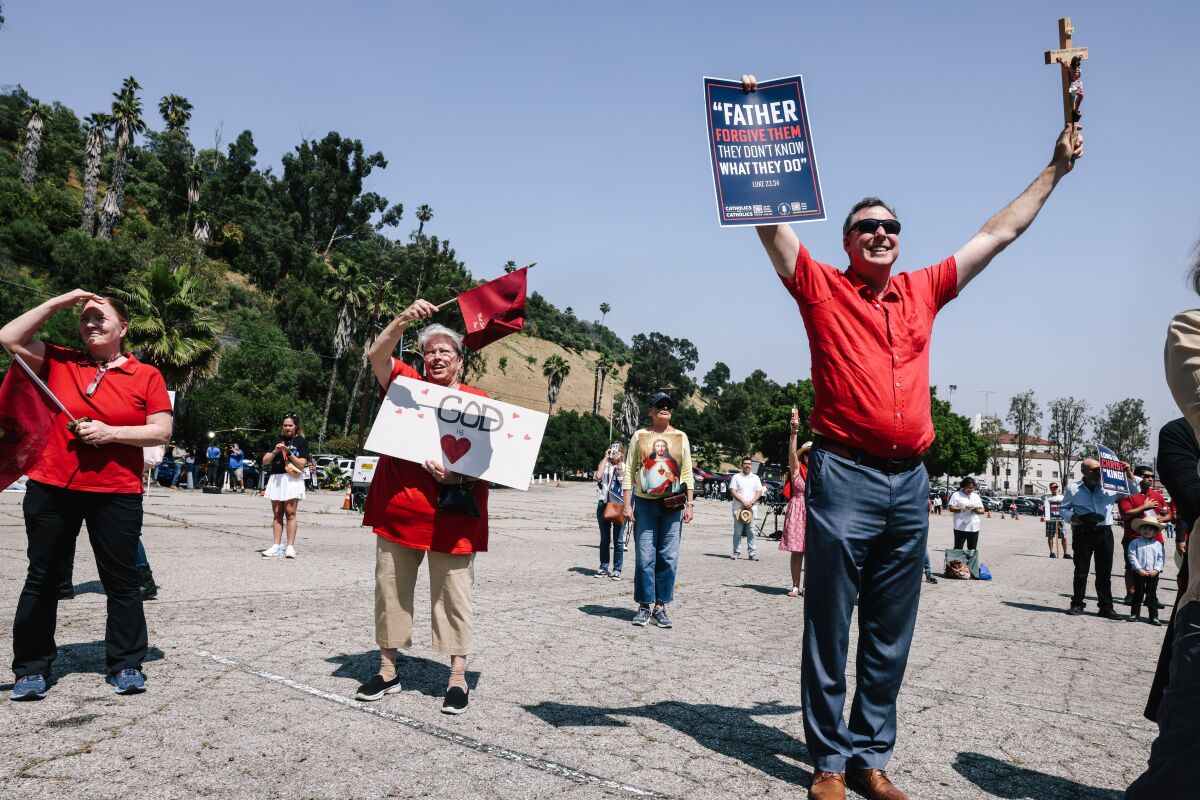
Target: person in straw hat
[{"x": 1145, "y": 558}]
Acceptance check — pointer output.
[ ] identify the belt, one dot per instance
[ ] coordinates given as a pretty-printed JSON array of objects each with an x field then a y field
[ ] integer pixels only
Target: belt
[{"x": 888, "y": 466}]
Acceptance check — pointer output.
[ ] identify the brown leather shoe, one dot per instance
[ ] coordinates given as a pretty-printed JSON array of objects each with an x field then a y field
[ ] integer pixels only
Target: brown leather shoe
[
  {"x": 873, "y": 784},
  {"x": 828, "y": 786}
]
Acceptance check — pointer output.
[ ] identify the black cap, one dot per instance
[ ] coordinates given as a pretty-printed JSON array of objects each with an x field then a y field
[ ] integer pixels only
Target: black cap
[{"x": 661, "y": 399}]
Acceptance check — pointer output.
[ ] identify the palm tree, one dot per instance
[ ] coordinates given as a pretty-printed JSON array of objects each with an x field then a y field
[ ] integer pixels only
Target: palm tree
[
  {"x": 510, "y": 266},
  {"x": 93, "y": 150},
  {"x": 176, "y": 111},
  {"x": 604, "y": 365},
  {"x": 39, "y": 115},
  {"x": 170, "y": 324},
  {"x": 126, "y": 120},
  {"x": 201, "y": 232},
  {"x": 195, "y": 176},
  {"x": 604, "y": 309},
  {"x": 350, "y": 291},
  {"x": 424, "y": 214},
  {"x": 555, "y": 369}
]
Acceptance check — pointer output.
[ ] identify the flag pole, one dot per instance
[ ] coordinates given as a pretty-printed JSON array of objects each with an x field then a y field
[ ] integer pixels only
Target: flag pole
[
  {"x": 33, "y": 376},
  {"x": 455, "y": 298}
]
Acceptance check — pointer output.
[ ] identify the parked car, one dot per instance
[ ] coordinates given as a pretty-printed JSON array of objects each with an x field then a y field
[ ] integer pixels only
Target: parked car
[{"x": 322, "y": 460}]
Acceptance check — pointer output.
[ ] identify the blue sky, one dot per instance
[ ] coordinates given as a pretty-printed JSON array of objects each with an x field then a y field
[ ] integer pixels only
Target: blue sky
[{"x": 574, "y": 136}]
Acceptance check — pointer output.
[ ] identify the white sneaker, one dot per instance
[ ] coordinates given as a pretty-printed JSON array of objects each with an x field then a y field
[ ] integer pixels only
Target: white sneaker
[
  {"x": 290, "y": 552},
  {"x": 272, "y": 551}
]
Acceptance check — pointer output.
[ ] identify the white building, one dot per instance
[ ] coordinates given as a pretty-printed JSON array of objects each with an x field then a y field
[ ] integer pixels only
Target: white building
[{"x": 1000, "y": 474}]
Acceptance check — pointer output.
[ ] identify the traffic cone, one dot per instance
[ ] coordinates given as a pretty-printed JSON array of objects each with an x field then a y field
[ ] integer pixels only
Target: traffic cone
[{"x": 346, "y": 503}]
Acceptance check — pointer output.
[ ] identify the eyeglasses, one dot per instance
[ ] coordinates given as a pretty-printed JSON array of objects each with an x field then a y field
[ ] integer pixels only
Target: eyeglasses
[
  {"x": 890, "y": 226},
  {"x": 664, "y": 406},
  {"x": 95, "y": 384},
  {"x": 440, "y": 353}
]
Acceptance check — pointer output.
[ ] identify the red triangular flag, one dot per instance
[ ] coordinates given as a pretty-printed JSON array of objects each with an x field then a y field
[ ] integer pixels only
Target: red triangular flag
[
  {"x": 26, "y": 416},
  {"x": 494, "y": 310}
]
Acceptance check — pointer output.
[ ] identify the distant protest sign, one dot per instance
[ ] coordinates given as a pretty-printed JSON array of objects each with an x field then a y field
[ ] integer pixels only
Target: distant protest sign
[
  {"x": 1112, "y": 470},
  {"x": 760, "y": 144},
  {"x": 471, "y": 435}
]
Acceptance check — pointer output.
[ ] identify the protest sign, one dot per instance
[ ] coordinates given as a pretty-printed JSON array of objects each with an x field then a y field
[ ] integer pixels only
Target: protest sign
[
  {"x": 1053, "y": 508},
  {"x": 1112, "y": 470},
  {"x": 760, "y": 145},
  {"x": 471, "y": 435}
]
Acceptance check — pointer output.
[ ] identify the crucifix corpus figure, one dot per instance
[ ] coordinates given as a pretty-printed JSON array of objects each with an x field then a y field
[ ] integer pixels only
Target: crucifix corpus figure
[{"x": 1071, "y": 60}]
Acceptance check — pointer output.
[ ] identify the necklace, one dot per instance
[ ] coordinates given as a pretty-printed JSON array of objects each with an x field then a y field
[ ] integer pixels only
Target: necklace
[{"x": 101, "y": 369}]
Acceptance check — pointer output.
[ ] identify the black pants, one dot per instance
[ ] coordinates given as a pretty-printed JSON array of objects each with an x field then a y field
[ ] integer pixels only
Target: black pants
[
  {"x": 1145, "y": 593},
  {"x": 53, "y": 518},
  {"x": 969, "y": 538},
  {"x": 1093, "y": 543}
]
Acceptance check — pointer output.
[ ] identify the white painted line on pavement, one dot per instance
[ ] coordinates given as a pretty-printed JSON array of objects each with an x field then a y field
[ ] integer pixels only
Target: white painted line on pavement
[{"x": 503, "y": 753}]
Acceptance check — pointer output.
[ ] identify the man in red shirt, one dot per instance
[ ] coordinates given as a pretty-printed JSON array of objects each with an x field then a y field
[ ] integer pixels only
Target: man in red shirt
[
  {"x": 868, "y": 332},
  {"x": 1148, "y": 499}
]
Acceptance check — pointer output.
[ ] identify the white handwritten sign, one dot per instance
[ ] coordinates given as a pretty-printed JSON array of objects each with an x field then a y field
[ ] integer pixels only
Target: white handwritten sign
[{"x": 471, "y": 435}]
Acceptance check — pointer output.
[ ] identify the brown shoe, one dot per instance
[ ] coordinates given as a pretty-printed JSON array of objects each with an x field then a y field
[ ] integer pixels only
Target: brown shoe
[
  {"x": 873, "y": 784},
  {"x": 828, "y": 786}
]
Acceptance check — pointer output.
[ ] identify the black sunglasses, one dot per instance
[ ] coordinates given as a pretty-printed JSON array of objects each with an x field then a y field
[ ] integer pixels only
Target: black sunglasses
[{"x": 890, "y": 226}]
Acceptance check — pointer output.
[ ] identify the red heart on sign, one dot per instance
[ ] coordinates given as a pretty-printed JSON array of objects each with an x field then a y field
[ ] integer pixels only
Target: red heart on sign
[
  {"x": 424, "y": 391},
  {"x": 516, "y": 415},
  {"x": 399, "y": 410},
  {"x": 455, "y": 448},
  {"x": 509, "y": 435},
  {"x": 420, "y": 415},
  {"x": 527, "y": 437}
]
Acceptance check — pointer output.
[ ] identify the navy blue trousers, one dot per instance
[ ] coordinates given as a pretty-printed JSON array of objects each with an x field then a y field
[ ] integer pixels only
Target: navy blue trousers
[{"x": 865, "y": 540}]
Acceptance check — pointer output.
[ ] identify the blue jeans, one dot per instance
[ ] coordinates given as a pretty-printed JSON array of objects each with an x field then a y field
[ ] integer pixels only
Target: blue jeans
[
  {"x": 865, "y": 539},
  {"x": 656, "y": 533},
  {"x": 610, "y": 531},
  {"x": 746, "y": 528},
  {"x": 178, "y": 473}
]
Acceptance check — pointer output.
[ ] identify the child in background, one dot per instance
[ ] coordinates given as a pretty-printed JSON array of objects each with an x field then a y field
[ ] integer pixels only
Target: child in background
[{"x": 1145, "y": 557}]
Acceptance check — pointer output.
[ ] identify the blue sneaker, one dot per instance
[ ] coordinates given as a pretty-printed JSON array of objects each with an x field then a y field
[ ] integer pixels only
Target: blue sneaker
[
  {"x": 642, "y": 616},
  {"x": 128, "y": 681},
  {"x": 30, "y": 687}
]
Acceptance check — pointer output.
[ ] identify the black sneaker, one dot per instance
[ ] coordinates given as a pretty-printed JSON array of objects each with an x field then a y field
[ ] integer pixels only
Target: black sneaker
[
  {"x": 1053, "y": 556},
  {"x": 1154, "y": 621},
  {"x": 1109, "y": 613},
  {"x": 1075, "y": 611},
  {"x": 148, "y": 587},
  {"x": 1067, "y": 556},
  {"x": 642, "y": 616},
  {"x": 1127, "y": 601},
  {"x": 456, "y": 701},
  {"x": 377, "y": 687},
  {"x": 929, "y": 578},
  {"x": 603, "y": 573}
]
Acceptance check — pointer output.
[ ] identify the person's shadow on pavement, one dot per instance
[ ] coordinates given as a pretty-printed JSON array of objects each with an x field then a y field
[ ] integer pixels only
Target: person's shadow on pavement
[
  {"x": 729, "y": 730},
  {"x": 1001, "y": 779},
  {"x": 422, "y": 675}
]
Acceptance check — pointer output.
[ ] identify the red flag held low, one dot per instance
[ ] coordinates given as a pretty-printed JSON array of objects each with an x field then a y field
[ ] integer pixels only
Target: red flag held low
[
  {"x": 26, "y": 415},
  {"x": 494, "y": 310}
]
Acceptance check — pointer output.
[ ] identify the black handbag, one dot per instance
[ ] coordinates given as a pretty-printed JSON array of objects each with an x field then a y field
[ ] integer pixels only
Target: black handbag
[{"x": 459, "y": 498}]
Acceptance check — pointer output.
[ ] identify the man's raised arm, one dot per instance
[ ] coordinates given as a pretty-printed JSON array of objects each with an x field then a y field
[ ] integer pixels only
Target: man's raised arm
[
  {"x": 1011, "y": 221},
  {"x": 779, "y": 240}
]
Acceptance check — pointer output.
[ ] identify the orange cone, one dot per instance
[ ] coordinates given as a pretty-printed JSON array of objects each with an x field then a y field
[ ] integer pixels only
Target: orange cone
[{"x": 346, "y": 503}]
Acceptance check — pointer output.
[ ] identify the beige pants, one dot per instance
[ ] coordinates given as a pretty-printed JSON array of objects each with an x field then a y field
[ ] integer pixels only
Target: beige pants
[{"x": 450, "y": 580}]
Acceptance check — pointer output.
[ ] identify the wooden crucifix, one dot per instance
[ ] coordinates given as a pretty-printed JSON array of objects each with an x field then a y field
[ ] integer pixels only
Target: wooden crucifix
[{"x": 1070, "y": 60}]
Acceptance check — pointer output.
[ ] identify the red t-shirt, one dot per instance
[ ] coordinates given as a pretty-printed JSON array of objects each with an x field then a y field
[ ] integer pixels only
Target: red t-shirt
[
  {"x": 1128, "y": 504},
  {"x": 127, "y": 394},
  {"x": 402, "y": 502},
  {"x": 870, "y": 354}
]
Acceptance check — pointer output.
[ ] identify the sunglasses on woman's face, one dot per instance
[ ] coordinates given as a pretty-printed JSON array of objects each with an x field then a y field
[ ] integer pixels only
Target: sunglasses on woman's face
[{"x": 890, "y": 226}]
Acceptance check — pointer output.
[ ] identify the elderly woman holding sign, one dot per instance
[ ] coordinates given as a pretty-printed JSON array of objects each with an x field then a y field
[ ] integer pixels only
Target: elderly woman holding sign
[{"x": 416, "y": 509}]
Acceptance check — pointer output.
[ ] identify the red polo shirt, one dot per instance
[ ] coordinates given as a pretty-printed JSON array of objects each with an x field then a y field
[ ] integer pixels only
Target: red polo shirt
[
  {"x": 127, "y": 394},
  {"x": 402, "y": 502},
  {"x": 1129, "y": 503},
  {"x": 870, "y": 354}
]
